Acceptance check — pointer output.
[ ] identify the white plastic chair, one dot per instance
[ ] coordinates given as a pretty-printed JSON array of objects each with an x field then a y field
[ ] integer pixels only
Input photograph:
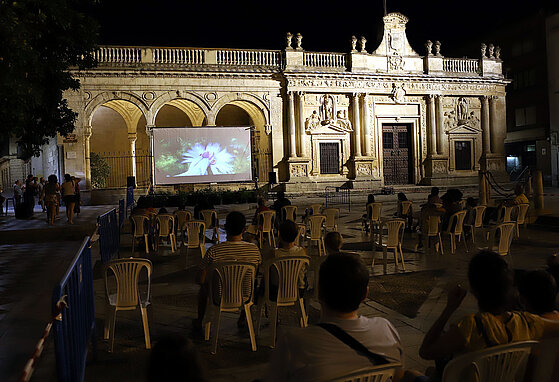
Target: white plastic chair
[
  {"x": 479, "y": 212},
  {"x": 196, "y": 232},
  {"x": 431, "y": 229},
  {"x": 405, "y": 210},
  {"x": 265, "y": 224},
  {"x": 127, "y": 295},
  {"x": 382, "y": 373},
  {"x": 505, "y": 214},
  {"x": 212, "y": 222},
  {"x": 141, "y": 229},
  {"x": 230, "y": 280},
  {"x": 316, "y": 223},
  {"x": 316, "y": 207},
  {"x": 495, "y": 364},
  {"x": 289, "y": 213},
  {"x": 505, "y": 231},
  {"x": 374, "y": 211},
  {"x": 395, "y": 237},
  {"x": 181, "y": 217},
  {"x": 287, "y": 270},
  {"x": 164, "y": 226},
  {"x": 455, "y": 230},
  {"x": 520, "y": 218},
  {"x": 332, "y": 216},
  {"x": 301, "y": 234}
]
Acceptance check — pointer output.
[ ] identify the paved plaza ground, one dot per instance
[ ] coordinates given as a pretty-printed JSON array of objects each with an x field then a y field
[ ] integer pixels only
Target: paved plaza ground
[{"x": 33, "y": 258}]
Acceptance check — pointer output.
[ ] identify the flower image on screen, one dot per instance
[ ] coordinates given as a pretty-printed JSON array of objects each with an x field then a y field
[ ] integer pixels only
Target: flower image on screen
[{"x": 202, "y": 154}]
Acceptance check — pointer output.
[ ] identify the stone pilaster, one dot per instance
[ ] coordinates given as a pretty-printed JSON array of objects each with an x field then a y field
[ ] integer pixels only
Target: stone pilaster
[
  {"x": 432, "y": 146},
  {"x": 132, "y": 142},
  {"x": 356, "y": 125},
  {"x": 87, "y": 148},
  {"x": 291, "y": 125},
  {"x": 366, "y": 125},
  {"x": 302, "y": 136}
]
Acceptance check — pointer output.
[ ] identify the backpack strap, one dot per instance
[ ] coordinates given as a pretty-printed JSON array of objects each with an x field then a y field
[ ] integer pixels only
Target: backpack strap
[{"x": 347, "y": 339}]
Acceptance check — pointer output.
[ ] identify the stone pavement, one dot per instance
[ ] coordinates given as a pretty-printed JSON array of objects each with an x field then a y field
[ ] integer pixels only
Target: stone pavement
[{"x": 174, "y": 298}]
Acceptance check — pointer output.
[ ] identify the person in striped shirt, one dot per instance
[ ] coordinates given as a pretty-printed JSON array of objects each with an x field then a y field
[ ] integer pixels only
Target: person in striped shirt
[{"x": 234, "y": 249}]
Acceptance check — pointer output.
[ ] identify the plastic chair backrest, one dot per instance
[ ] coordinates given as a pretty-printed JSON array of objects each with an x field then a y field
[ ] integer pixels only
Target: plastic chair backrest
[
  {"x": 495, "y": 364},
  {"x": 266, "y": 218},
  {"x": 462, "y": 204},
  {"x": 522, "y": 211},
  {"x": 127, "y": 273},
  {"x": 288, "y": 269},
  {"x": 182, "y": 217},
  {"x": 301, "y": 233},
  {"x": 374, "y": 211},
  {"x": 382, "y": 373},
  {"x": 479, "y": 211},
  {"x": 139, "y": 224},
  {"x": 405, "y": 206},
  {"x": 231, "y": 275},
  {"x": 316, "y": 208},
  {"x": 456, "y": 222},
  {"x": 315, "y": 226},
  {"x": 331, "y": 215},
  {"x": 289, "y": 213},
  {"x": 506, "y": 231},
  {"x": 210, "y": 218},
  {"x": 395, "y": 229},
  {"x": 505, "y": 214},
  {"x": 195, "y": 230},
  {"x": 165, "y": 223},
  {"x": 433, "y": 223}
]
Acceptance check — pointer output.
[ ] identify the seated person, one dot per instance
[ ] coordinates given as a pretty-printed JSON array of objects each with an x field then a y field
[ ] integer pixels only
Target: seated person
[
  {"x": 316, "y": 354},
  {"x": 261, "y": 206},
  {"x": 409, "y": 213},
  {"x": 280, "y": 202},
  {"x": 519, "y": 196},
  {"x": 495, "y": 323},
  {"x": 366, "y": 217},
  {"x": 451, "y": 204},
  {"x": 333, "y": 242},
  {"x": 234, "y": 249},
  {"x": 434, "y": 196}
]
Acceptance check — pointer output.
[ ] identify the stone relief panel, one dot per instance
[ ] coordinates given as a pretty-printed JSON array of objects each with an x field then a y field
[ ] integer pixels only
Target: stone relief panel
[
  {"x": 461, "y": 112},
  {"x": 326, "y": 112},
  {"x": 364, "y": 169},
  {"x": 298, "y": 170}
]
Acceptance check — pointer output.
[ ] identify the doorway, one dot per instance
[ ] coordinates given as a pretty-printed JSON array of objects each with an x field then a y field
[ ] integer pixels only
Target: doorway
[
  {"x": 396, "y": 143},
  {"x": 329, "y": 158}
]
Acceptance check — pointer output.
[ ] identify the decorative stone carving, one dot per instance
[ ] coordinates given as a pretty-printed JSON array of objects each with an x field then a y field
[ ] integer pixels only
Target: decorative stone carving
[
  {"x": 268, "y": 129},
  {"x": 461, "y": 116},
  {"x": 491, "y": 50},
  {"x": 483, "y": 50},
  {"x": 396, "y": 62},
  {"x": 398, "y": 93},
  {"x": 362, "y": 43},
  {"x": 87, "y": 95},
  {"x": 148, "y": 96},
  {"x": 353, "y": 44},
  {"x": 438, "y": 48},
  {"x": 298, "y": 41},
  {"x": 498, "y": 53},
  {"x": 327, "y": 109},
  {"x": 429, "y": 47},
  {"x": 288, "y": 39},
  {"x": 363, "y": 169},
  {"x": 439, "y": 167},
  {"x": 328, "y": 117},
  {"x": 298, "y": 170},
  {"x": 312, "y": 122}
]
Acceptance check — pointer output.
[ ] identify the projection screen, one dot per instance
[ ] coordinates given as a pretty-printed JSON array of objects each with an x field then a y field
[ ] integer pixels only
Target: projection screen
[{"x": 201, "y": 154}]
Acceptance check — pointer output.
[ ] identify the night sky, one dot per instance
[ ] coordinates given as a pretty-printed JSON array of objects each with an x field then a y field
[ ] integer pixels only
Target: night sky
[{"x": 325, "y": 25}]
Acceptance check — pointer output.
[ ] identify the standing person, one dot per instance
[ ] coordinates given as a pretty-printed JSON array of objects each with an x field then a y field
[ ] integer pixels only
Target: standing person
[
  {"x": 29, "y": 196},
  {"x": 77, "y": 204},
  {"x": 50, "y": 197},
  {"x": 40, "y": 187},
  {"x": 18, "y": 192},
  {"x": 69, "y": 197}
]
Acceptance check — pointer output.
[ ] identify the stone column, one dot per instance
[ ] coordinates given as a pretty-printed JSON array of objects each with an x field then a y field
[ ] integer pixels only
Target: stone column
[
  {"x": 132, "y": 141},
  {"x": 356, "y": 124},
  {"x": 441, "y": 142},
  {"x": 291, "y": 125},
  {"x": 486, "y": 139},
  {"x": 432, "y": 125},
  {"x": 493, "y": 128},
  {"x": 149, "y": 132},
  {"x": 86, "y": 137},
  {"x": 302, "y": 147},
  {"x": 366, "y": 125}
]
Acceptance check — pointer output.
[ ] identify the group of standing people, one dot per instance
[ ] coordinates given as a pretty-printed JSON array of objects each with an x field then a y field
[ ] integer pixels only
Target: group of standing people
[{"x": 50, "y": 194}]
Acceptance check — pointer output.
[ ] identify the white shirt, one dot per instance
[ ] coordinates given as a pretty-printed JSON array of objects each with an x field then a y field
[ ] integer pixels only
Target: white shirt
[{"x": 313, "y": 354}]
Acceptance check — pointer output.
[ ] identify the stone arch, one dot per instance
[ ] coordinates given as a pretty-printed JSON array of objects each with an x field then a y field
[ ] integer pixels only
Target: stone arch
[
  {"x": 105, "y": 97},
  {"x": 246, "y": 101},
  {"x": 177, "y": 96}
]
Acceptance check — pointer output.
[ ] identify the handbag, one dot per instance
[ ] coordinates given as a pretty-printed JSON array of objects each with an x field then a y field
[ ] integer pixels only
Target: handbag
[{"x": 347, "y": 339}]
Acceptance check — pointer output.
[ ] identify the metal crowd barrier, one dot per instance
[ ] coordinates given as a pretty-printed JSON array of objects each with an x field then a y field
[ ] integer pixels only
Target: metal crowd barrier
[
  {"x": 129, "y": 198},
  {"x": 109, "y": 235},
  {"x": 337, "y": 195},
  {"x": 121, "y": 213},
  {"x": 74, "y": 327}
]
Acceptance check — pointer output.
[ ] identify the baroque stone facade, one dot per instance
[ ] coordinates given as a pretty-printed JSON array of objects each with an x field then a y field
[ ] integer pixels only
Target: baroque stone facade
[{"x": 386, "y": 117}]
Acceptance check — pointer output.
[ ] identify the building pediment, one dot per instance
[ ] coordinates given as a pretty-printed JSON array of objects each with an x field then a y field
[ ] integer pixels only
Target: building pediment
[{"x": 463, "y": 129}]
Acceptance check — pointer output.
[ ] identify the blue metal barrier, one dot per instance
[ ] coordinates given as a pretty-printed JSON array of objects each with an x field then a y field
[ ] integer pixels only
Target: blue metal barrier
[
  {"x": 129, "y": 198},
  {"x": 121, "y": 213},
  {"x": 109, "y": 235},
  {"x": 75, "y": 326},
  {"x": 337, "y": 195}
]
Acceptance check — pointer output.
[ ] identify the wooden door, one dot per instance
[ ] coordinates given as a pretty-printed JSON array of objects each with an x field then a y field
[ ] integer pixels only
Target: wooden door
[
  {"x": 396, "y": 141},
  {"x": 329, "y": 158}
]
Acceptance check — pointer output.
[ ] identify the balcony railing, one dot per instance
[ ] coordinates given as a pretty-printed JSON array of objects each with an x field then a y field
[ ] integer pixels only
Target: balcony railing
[
  {"x": 461, "y": 65},
  {"x": 248, "y": 57},
  {"x": 179, "y": 56},
  {"x": 118, "y": 55},
  {"x": 325, "y": 60}
]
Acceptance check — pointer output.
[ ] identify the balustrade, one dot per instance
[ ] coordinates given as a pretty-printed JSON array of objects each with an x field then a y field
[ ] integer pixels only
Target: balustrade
[
  {"x": 461, "y": 65},
  {"x": 325, "y": 60},
  {"x": 248, "y": 57},
  {"x": 119, "y": 55}
]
